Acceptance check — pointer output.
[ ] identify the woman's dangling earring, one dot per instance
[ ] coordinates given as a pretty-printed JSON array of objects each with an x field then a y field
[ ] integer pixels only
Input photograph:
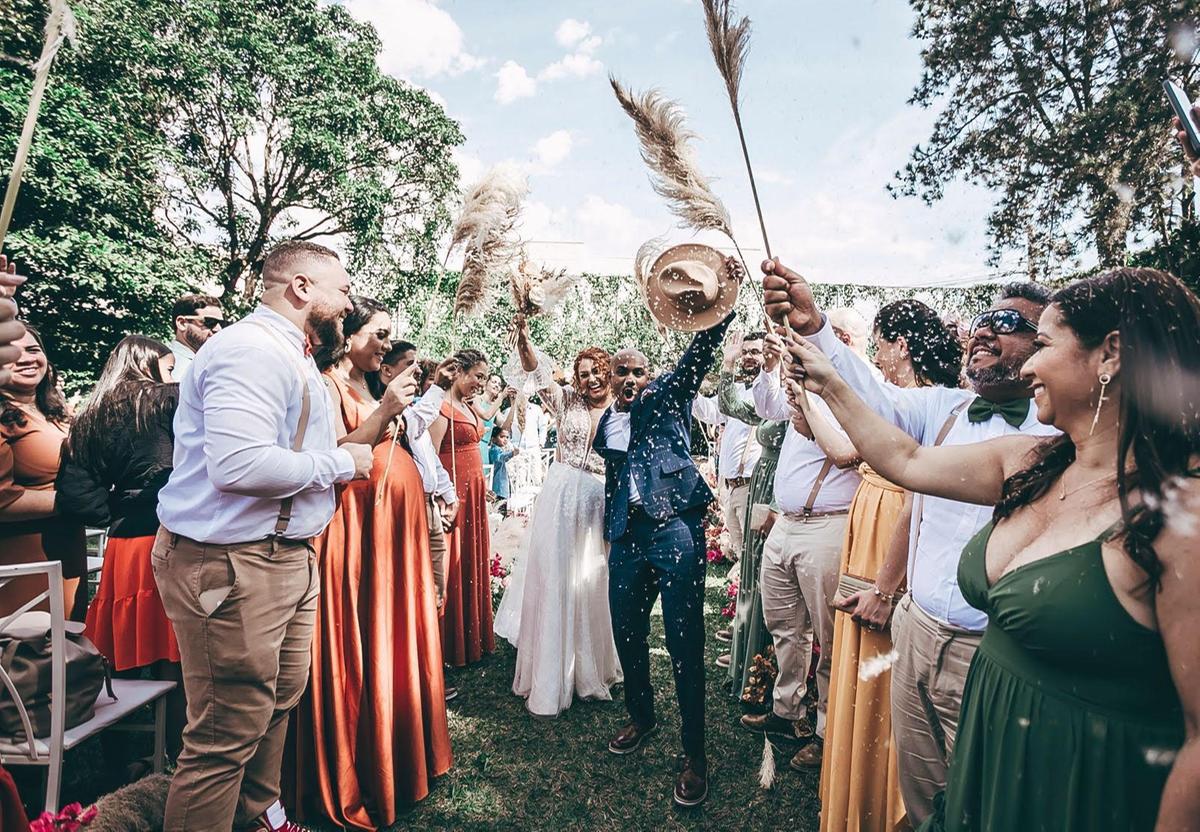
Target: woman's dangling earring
[{"x": 1105, "y": 380}]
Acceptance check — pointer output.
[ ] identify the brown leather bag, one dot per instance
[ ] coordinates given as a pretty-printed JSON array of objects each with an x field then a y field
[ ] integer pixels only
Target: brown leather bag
[{"x": 25, "y": 657}]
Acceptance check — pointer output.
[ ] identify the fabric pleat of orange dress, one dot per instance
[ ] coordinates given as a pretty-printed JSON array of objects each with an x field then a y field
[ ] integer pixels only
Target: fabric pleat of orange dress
[
  {"x": 860, "y": 788},
  {"x": 467, "y": 618},
  {"x": 371, "y": 733}
]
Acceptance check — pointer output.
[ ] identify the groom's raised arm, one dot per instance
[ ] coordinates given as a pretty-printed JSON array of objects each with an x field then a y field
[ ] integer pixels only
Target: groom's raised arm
[{"x": 683, "y": 383}]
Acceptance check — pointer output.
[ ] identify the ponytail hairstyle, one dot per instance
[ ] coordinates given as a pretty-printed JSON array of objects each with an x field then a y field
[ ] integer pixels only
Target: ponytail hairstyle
[
  {"x": 1158, "y": 320},
  {"x": 935, "y": 352}
]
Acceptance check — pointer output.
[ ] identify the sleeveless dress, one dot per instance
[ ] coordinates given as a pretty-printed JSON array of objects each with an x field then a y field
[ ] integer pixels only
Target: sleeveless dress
[
  {"x": 467, "y": 617},
  {"x": 372, "y": 732},
  {"x": 860, "y": 787},
  {"x": 1069, "y": 715},
  {"x": 750, "y": 635},
  {"x": 555, "y": 608}
]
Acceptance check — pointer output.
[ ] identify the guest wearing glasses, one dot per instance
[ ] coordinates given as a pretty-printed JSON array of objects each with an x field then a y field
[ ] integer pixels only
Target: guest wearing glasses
[
  {"x": 934, "y": 630},
  {"x": 197, "y": 318}
]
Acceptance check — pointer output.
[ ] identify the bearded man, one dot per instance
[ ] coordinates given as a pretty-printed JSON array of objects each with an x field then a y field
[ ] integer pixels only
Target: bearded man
[{"x": 256, "y": 459}]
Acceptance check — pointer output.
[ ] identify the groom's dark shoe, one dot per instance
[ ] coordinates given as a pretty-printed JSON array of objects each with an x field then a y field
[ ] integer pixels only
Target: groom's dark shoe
[
  {"x": 777, "y": 726},
  {"x": 630, "y": 738},
  {"x": 691, "y": 784}
]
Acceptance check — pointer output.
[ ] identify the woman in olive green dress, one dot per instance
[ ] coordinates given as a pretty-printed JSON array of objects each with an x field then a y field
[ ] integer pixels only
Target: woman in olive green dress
[{"x": 1075, "y": 706}]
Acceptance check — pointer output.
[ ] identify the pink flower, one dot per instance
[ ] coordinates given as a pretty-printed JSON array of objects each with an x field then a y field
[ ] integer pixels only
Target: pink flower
[{"x": 732, "y": 590}]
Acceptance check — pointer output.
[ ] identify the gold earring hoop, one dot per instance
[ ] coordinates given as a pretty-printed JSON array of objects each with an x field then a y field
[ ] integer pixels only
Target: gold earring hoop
[{"x": 1105, "y": 379}]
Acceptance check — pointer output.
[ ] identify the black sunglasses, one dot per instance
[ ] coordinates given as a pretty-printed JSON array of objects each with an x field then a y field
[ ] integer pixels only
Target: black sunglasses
[
  {"x": 208, "y": 323},
  {"x": 1002, "y": 322}
]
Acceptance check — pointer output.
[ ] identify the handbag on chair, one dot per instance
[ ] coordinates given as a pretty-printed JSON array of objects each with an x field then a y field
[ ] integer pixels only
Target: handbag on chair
[{"x": 25, "y": 656}]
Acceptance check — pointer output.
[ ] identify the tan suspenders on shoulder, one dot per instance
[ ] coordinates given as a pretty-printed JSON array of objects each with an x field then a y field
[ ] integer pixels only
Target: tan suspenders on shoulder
[
  {"x": 285, "y": 505},
  {"x": 919, "y": 499}
]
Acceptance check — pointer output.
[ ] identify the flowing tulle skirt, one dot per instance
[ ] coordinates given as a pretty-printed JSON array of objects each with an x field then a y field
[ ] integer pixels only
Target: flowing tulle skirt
[
  {"x": 555, "y": 608},
  {"x": 126, "y": 620},
  {"x": 860, "y": 787}
]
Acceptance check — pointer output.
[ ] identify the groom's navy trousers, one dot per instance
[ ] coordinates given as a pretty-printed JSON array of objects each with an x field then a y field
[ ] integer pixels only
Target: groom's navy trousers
[
  {"x": 661, "y": 558},
  {"x": 657, "y": 544}
]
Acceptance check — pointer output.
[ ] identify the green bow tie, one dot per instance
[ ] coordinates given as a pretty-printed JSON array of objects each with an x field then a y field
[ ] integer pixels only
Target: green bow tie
[{"x": 1014, "y": 412}]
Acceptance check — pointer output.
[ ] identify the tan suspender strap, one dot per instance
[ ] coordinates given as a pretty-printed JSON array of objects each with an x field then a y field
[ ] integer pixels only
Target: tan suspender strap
[
  {"x": 285, "y": 507},
  {"x": 826, "y": 467},
  {"x": 919, "y": 499}
]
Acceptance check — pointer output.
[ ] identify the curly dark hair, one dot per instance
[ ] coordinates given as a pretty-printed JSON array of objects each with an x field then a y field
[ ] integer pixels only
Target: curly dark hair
[
  {"x": 468, "y": 358},
  {"x": 600, "y": 359},
  {"x": 47, "y": 397},
  {"x": 1158, "y": 320},
  {"x": 936, "y": 354}
]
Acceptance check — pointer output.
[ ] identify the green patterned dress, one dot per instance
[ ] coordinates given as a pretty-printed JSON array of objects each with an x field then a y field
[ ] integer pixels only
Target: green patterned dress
[{"x": 1069, "y": 718}]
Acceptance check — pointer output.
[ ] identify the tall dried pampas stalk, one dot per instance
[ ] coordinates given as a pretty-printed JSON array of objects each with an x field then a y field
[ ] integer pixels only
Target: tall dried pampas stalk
[
  {"x": 485, "y": 232},
  {"x": 730, "y": 44},
  {"x": 666, "y": 150}
]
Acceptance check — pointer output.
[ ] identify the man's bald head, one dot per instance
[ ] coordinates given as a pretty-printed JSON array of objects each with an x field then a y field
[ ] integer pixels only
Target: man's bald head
[{"x": 630, "y": 375}]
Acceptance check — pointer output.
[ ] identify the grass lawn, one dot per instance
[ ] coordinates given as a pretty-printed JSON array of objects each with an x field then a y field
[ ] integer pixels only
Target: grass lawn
[{"x": 515, "y": 771}]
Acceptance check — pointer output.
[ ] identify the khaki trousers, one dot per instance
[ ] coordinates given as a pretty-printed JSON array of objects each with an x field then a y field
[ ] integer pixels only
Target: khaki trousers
[
  {"x": 735, "y": 518},
  {"x": 437, "y": 546},
  {"x": 798, "y": 582},
  {"x": 927, "y": 687},
  {"x": 243, "y": 616}
]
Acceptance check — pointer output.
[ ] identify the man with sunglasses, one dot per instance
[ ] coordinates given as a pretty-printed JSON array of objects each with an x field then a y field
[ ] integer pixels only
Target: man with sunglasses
[
  {"x": 197, "y": 318},
  {"x": 934, "y": 630}
]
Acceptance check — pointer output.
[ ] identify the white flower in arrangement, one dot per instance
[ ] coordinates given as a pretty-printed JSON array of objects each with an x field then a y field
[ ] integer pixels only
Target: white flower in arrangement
[{"x": 724, "y": 541}]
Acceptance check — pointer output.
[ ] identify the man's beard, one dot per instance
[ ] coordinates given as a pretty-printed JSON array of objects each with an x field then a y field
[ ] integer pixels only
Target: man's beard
[
  {"x": 749, "y": 373},
  {"x": 325, "y": 329},
  {"x": 193, "y": 342},
  {"x": 997, "y": 375}
]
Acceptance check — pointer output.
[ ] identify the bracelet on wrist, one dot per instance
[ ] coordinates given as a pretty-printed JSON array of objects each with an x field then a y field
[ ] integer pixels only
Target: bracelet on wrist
[{"x": 883, "y": 596}]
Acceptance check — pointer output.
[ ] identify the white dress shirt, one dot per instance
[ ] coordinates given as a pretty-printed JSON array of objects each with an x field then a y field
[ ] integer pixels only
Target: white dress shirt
[
  {"x": 184, "y": 355},
  {"x": 945, "y": 526},
  {"x": 417, "y": 418},
  {"x": 739, "y": 446},
  {"x": 239, "y": 409},
  {"x": 617, "y": 432},
  {"x": 800, "y": 458}
]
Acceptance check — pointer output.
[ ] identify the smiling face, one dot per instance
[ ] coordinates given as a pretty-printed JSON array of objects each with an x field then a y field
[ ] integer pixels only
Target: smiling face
[
  {"x": 494, "y": 386},
  {"x": 892, "y": 358},
  {"x": 471, "y": 382},
  {"x": 994, "y": 360},
  {"x": 367, "y": 347},
  {"x": 752, "y": 357},
  {"x": 1063, "y": 373},
  {"x": 592, "y": 381},
  {"x": 630, "y": 376},
  {"x": 30, "y": 368}
]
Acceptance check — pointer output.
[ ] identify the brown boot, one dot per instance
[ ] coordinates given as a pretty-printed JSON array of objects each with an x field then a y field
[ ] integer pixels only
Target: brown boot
[
  {"x": 808, "y": 757},
  {"x": 724, "y": 659},
  {"x": 630, "y": 738},
  {"x": 691, "y": 784},
  {"x": 778, "y": 727},
  {"x": 724, "y": 636}
]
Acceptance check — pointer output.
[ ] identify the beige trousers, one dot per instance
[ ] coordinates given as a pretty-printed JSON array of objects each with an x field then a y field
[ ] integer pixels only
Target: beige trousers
[
  {"x": 927, "y": 686},
  {"x": 798, "y": 581},
  {"x": 243, "y": 616},
  {"x": 437, "y": 546},
  {"x": 736, "y": 513}
]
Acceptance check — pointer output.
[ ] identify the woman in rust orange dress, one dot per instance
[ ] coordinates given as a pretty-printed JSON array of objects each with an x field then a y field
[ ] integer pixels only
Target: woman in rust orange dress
[
  {"x": 372, "y": 731},
  {"x": 467, "y": 618},
  {"x": 33, "y": 427}
]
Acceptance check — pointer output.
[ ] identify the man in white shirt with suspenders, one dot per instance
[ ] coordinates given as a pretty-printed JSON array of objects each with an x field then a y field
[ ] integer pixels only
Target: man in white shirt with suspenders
[
  {"x": 800, "y": 561},
  {"x": 255, "y": 461},
  {"x": 934, "y": 630}
]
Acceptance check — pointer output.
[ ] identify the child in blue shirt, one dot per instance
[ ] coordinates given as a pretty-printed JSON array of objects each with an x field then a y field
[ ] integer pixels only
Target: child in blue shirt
[{"x": 500, "y": 452}]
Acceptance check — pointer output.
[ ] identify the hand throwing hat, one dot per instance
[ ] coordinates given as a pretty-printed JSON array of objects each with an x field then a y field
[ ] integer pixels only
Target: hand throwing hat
[{"x": 690, "y": 288}]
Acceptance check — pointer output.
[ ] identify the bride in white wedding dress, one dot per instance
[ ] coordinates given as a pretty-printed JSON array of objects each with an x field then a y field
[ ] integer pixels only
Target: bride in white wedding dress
[{"x": 555, "y": 608}]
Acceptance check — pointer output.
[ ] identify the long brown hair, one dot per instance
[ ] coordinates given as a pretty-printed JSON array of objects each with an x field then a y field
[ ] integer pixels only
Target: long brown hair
[
  {"x": 47, "y": 397},
  {"x": 1158, "y": 319}
]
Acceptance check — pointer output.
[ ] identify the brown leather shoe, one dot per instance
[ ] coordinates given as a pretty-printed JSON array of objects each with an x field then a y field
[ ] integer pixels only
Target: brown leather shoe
[
  {"x": 808, "y": 757},
  {"x": 724, "y": 659},
  {"x": 630, "y": 738},
  {"x": 778, "y": 727},
  {"x": 691, "y": 784},
  {"x": 724, "y": 636}
]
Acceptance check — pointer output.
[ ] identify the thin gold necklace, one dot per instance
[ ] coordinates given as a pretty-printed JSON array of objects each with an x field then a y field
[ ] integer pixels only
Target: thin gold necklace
[{"x": 1064, "y": 493}]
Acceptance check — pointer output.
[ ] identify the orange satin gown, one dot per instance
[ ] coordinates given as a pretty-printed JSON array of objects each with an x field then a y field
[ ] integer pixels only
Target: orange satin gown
[
  {"x": 467, "y": 619},
  {"x": 372, "y": 731}
]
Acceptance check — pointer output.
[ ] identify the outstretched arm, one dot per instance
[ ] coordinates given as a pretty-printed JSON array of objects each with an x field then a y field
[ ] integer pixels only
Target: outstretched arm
[
  {"x": 683, "y": 384},
  {"x": 972, "y": 473}
]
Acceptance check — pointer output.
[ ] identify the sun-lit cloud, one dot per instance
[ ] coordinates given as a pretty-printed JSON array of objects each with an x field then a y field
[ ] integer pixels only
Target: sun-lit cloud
[
  {"x": 420, "y": 40},
  {"x": 553, "y": 149},
  {"x": 513, "y": 82}
]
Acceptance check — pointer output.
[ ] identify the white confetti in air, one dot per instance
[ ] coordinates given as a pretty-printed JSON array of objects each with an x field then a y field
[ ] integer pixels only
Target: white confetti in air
[
  {"x": 1038, "y": 584},
  {"x": 1184, "y": 42},
  {"x": 876, "y": 666},
  {"x": 1160, "y": 756}
]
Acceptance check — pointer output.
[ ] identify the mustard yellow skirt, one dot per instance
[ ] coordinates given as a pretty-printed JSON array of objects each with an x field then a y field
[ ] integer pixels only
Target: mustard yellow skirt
[{"x": 860, "y": 789}]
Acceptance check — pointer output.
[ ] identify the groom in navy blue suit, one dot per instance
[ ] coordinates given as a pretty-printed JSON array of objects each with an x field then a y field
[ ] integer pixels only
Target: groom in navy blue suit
[{"x": 655, "y": 500}]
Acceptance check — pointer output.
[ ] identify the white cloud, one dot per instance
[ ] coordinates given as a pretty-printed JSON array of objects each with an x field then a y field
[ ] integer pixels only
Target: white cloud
[
  {"x": 513, "y": 82},
  {"x": 553, "y": 149},
  {"x": 579, "y": 65},
  {"x": 571, "y": 32},
  {"x": 420, "y": 40}
]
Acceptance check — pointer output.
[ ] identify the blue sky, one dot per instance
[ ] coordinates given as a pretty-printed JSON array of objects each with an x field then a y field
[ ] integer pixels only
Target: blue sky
[{"x": 824, "y": 104}]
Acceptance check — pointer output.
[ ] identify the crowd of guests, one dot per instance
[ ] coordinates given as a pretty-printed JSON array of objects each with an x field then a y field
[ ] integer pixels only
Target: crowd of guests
[{"x": 983, "y": 537}]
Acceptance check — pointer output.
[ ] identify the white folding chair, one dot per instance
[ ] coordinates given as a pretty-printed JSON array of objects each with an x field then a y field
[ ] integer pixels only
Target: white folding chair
[{"x": 132, "y": 694}]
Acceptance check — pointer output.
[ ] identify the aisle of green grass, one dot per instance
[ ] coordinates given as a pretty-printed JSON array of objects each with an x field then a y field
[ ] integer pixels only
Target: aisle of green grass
[{"x": 514, "y": 771}]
